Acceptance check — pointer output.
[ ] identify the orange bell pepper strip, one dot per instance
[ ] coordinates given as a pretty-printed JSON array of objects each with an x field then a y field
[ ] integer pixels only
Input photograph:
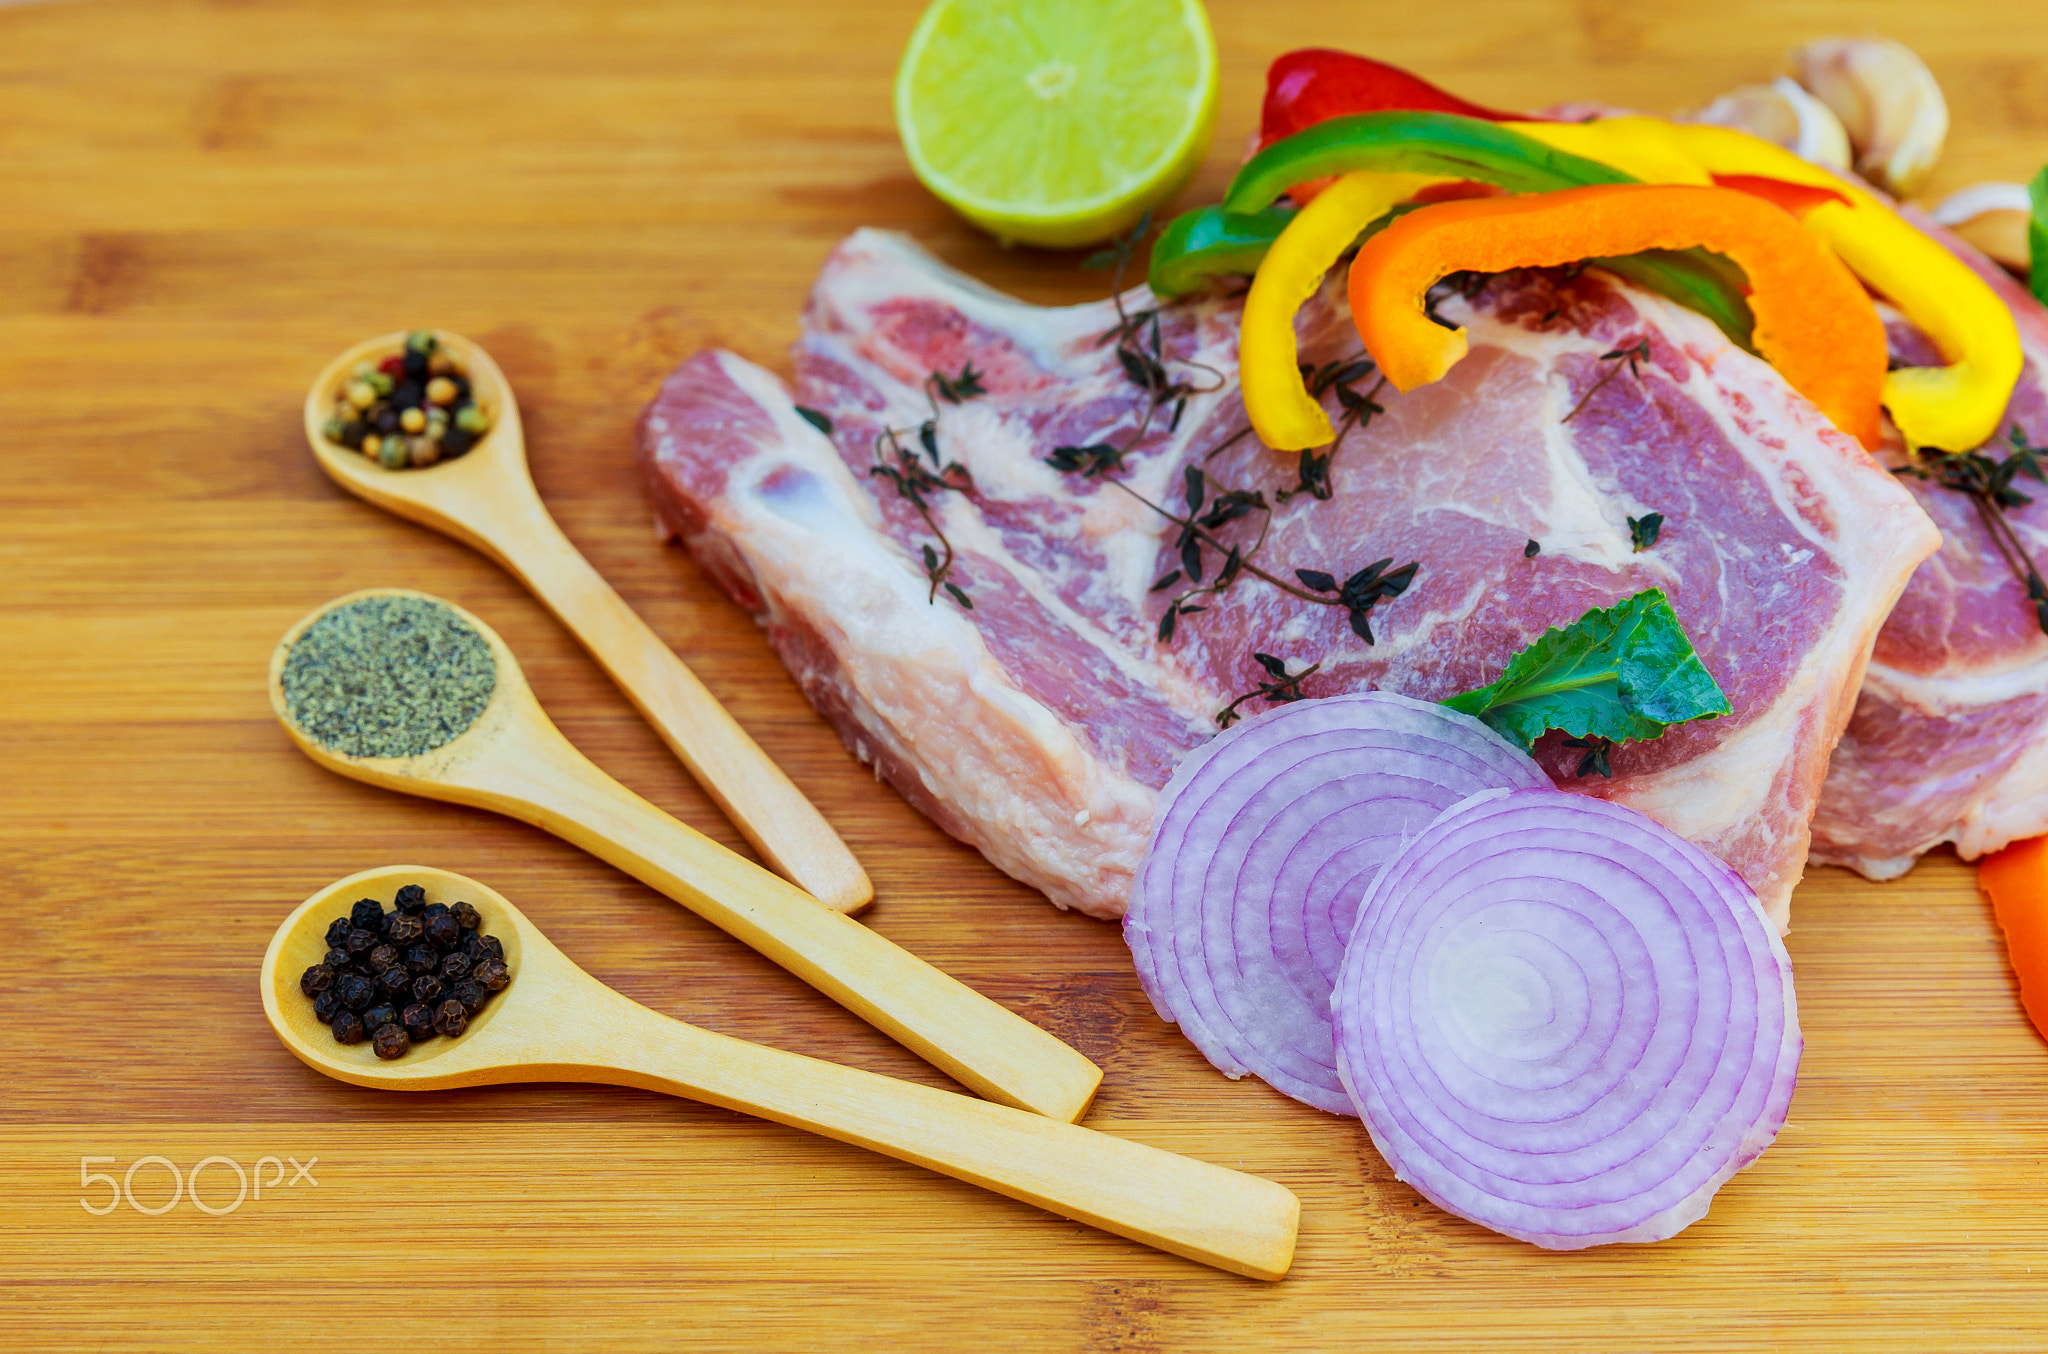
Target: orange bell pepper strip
[
  {"x": 1954, "y": 407},
  {"x": 1814, "y": 322},
  {"x": 2017, "y": 880}
]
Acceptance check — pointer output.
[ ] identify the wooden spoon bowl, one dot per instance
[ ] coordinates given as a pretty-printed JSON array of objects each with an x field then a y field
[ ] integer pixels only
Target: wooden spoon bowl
[
  {"x": 301, "y": 942},
  {"x": 486, "y": 499},
  {"x": 513, "y": 760},
  {"x": 554, "y": 1022}
]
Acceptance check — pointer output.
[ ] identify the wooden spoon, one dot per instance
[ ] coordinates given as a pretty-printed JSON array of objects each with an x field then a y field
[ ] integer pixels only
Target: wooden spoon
[
  {"x": 557, "y": 1023},
  {"x": 486, "y": 499},
  {"x": 514, "y": 761}
]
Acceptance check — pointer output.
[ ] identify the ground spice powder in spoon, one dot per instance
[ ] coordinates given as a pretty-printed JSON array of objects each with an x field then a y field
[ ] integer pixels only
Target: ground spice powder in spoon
[{"x": 388, "y": 677}]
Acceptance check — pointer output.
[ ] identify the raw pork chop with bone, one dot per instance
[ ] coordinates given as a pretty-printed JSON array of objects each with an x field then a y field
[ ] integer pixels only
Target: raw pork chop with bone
[
  {"x": 1039, "y": 723},
  {"x": 1949, "y": 742}
]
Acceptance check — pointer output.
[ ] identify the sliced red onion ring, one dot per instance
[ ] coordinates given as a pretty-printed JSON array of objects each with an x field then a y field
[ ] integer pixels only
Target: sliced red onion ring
[
  {"x": 1565, "y": 1022},
  {"x": 1264, "y": 842}
]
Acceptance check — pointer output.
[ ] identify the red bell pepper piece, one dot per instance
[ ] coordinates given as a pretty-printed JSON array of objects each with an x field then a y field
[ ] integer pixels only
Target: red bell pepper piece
[
  {"x": 1796, "y": 198},
  {"x": 1312, "y": 84}
]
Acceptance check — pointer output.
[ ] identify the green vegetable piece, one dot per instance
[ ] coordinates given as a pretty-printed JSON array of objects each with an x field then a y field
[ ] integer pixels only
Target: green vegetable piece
[
  {"x": 1210, "y": 242},
  {"x": 1416, "y": 143},
  {"x": 1622, "y": 672},
  {"x": 2037, "y": 236},
  {"x": 1697, "y": 279}
]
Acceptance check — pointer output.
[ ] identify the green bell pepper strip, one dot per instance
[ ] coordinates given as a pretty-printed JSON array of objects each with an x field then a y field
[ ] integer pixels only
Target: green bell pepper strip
[
  {"x": 1710, "y": 284},
  {"x": 2037, "y": 236},
  {"x": 1411, "y": 143},
  {"x": 1210, "y": 242}
]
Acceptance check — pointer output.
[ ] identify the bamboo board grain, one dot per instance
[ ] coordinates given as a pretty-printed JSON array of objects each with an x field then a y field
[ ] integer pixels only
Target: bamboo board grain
[{"x": 201, "y": 203}]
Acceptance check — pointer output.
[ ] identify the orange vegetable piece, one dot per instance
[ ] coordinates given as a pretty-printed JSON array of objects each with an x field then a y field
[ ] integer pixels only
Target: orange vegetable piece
[
  {"x": 1814, "y": 321},
  {"x": 2017, "y": 880}
]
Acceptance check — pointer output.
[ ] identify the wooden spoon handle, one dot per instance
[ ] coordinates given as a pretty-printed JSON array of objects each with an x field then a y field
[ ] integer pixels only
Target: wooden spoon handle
[
  {"x": 1190, "y": 1208},
  {"x": 542, "y": 779},
  {"x": 789, "y": 832}
]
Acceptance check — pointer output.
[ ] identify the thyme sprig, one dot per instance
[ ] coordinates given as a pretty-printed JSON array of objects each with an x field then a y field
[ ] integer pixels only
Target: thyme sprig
[
  {"x": 1599, "y": 752},
  {"x": 1140, "y": 351},
  {"x": 1284, "y": 688},
  {"x": 1989, "y": 484},
  {"x": 1639, "y": 351},
  {"x": 1358, "y": 594},
  {"x": 1643, "y": 531},
  {"x": 1340, "y": 375},
  {"x": 1205, "y": 516},
  {"x": 1464, "y": 284},
  {"x": 955, "y": 389},
  {"x": 901, "y": 466},
  {"x": 1364, "y": 590}
]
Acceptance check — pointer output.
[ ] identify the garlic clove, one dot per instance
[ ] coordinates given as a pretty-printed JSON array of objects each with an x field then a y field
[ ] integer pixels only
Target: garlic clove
[
  {"x": 1783, "y": 113},
  {"x": 1991, "y": 216},
  {"x": 1887, "y": 101}
]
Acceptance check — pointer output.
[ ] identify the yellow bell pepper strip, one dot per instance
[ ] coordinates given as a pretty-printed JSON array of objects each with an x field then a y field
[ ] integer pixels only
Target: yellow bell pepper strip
[
  {"x": 1276, "y": 400},
  {"x": 1637, "y": 146},
  {"x": 1814, "y": 322},
  {"x": 1954, "y": 408},
  {"x": 2017, "y": 880}
]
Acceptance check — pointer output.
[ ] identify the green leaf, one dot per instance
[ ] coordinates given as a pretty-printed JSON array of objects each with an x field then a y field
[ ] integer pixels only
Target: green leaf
[
  {"x": 1622, "y": 672},
  {"x": 2037, "y": 236}
]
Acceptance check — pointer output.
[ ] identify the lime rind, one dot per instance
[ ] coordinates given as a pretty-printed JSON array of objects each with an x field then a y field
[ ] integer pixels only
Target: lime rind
[{"x": 1043, "y": 120}]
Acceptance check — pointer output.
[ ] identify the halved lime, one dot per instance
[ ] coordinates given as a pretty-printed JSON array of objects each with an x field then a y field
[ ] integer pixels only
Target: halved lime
[{"x": 1057, "y": 122}]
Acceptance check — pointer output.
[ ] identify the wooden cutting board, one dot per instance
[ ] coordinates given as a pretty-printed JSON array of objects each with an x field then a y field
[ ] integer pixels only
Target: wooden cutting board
[{"x": 199, "y": 204}]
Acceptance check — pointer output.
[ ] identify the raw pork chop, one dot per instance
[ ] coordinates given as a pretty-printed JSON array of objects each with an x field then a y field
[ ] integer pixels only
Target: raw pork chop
[
  {"x": 1949, "y": 742},
  {"x": 1039, "y": 725}
]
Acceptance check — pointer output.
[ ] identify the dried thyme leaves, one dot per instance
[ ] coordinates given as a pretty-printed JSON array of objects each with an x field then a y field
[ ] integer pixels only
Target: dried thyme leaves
[
  {"x": 1283, "y": 688},
  {"x": 387, "y": 677},
  {"x": 916, "y": 484},
  {"x": 1636, "y": 352},
  {"x": 1141, "y": 353},
  {"x": 1989, "y": 484}
]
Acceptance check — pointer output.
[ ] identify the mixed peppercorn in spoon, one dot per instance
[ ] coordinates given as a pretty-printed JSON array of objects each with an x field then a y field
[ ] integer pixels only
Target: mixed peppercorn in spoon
[
  {"x": 415, "y": 408},
  {"x": 402, "y": 977}
]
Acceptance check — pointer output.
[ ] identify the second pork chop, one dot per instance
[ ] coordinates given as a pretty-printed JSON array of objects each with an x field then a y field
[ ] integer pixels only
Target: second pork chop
[
  {"x": 1949, "y": 742},
  {"x": 1039, "y": 723}
]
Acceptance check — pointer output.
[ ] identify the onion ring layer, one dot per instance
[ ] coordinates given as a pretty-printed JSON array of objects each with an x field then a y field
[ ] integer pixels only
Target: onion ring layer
[
  {"x": 1565, "y": 1022},
  {"x": 1264, "y": 842}
]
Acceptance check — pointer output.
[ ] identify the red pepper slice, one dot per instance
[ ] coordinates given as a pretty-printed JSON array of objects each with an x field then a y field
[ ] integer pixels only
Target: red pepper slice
[
  {"x": 1313, "y": 84},
  {"x": 1458, "y": 190},
  {"x": 1796, "y": 198}
]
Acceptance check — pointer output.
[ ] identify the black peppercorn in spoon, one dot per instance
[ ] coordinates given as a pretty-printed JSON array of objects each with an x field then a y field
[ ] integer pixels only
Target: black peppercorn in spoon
[
  {"x": 411, "y": 693},
  {"x": 486, "y": 499},
  {"x": 554, "y": 1022}
]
